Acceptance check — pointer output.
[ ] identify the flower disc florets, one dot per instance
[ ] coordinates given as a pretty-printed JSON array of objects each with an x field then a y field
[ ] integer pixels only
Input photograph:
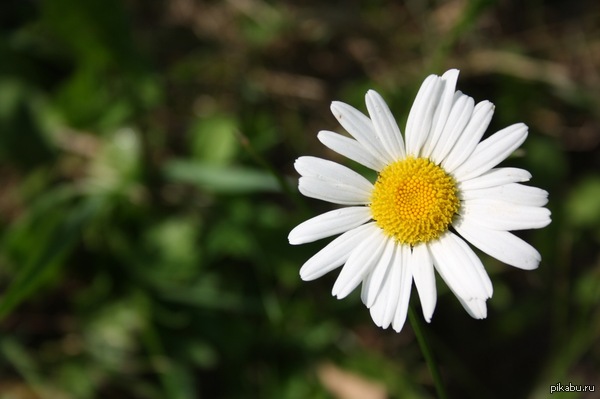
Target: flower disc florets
[{"x": 414, "y": 200}]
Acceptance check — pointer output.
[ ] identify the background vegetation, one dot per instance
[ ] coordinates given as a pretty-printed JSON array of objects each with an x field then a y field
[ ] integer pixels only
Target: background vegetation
[{"x": 147, "y": 190}]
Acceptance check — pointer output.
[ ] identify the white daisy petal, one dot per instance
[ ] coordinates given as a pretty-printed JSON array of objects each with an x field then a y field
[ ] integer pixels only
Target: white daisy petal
[
  {"x": 332, "y": 182},
  {"x": 361, "y": 128},
  {"x": 378, "y": 309},
  {"x": 495, "y": 177},
  {"x": 442, "y": 111},
  {"x": 491, "y": 151},
  {"x": 362, "y": 259},
  {"x": 513, "y": 193},
  {"x": 420, "y": 116},
  {"x": 422, "y": 271},
  {"x": 373, "y": 282},
  {"x": 385, "y": 125},
  {"x": 460, "y": 114},
  {"x": 501, "y": 215},
  {"x": 336, "y": 193},
  {"x": 351, "y": 149},
  {"x": 502, "y": 245},
  {"x": 331, "y": 172},
  {"x": 405, "y": 286},
  {"x": 460, "y": 268},
  {"x": 335, "y": 253},
  {"x": 475, "y": 262},
  {"x": 475, "y": 307},
  {"x": 329, "y": 224},
  {"x": 468, "y": 140},
  {"x": 384, "y": 307}
]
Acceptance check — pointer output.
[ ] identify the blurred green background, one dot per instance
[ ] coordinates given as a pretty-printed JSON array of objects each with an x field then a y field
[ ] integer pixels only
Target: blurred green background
[{"x": 147, "y": 190}]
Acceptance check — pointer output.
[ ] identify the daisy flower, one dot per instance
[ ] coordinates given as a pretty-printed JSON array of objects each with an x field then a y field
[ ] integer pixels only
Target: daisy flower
[{"x": 436, "y": 188}]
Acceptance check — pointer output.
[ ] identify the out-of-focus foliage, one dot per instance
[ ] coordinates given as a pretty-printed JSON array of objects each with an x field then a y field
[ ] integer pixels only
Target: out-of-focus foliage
[{"x": 147, "y": 190}]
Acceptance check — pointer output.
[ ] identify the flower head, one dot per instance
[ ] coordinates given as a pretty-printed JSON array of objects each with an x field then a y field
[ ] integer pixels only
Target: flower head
[{"x": 435, "y": 188}]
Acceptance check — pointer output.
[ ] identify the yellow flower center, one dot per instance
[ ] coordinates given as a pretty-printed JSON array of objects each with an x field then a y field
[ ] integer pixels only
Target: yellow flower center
[{"x": 414, "y": 200}]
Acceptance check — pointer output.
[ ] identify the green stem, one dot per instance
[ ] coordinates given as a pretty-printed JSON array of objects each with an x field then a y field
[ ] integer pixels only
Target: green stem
[{"x": 427, "y": 354}]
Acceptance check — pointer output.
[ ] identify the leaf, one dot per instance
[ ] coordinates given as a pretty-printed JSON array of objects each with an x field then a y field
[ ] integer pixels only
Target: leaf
[
  {"x": 213, "y": 139},
  {"x": 38, "y": 267},
  {"x": 221, "y": 179}
]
